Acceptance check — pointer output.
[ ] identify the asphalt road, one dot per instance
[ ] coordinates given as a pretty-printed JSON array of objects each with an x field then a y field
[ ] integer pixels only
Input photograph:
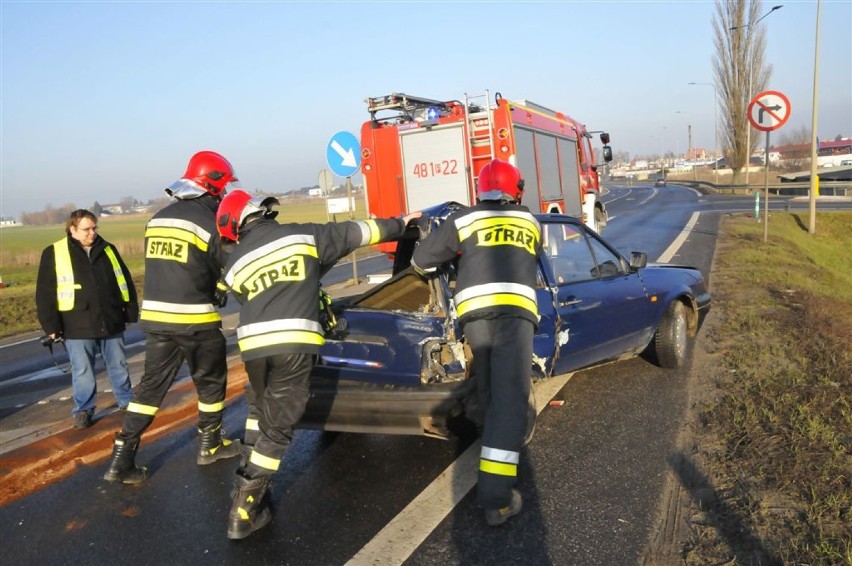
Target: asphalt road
[{"x": 592, "y": 477}]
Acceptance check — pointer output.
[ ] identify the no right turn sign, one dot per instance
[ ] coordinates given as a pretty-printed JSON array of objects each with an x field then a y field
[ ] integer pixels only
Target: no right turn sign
[{"x": 769, "y": 110}]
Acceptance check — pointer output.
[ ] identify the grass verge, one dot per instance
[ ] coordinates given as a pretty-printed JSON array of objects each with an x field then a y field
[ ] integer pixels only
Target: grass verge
[{"x": 775, "y": 439}]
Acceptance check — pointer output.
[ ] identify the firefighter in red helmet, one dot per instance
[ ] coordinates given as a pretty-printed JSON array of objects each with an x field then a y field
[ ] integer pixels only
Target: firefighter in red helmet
[
  {"x": 279, "y": 333},
  {"x": 496, "y": 243},
  {"x": 183, "y": 267}
]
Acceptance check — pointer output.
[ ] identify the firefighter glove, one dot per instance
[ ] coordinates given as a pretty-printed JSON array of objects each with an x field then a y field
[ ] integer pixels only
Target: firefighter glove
[{"x": 220, "y": 296}]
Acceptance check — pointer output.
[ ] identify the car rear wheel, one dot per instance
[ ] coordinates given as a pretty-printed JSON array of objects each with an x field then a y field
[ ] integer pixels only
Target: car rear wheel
[{"x": 671, "y": 340}]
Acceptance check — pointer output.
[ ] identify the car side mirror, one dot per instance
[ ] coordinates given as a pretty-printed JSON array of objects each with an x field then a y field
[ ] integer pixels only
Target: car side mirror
[
  {"x": 638, "y": 260},
  {"x": 605, "y": 138},
  {"x": 607, "y": 153}
]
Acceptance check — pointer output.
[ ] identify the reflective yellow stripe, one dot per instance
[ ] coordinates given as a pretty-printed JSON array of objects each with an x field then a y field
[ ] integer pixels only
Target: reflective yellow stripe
[
  {"x": 266, "y": 250},
  {"x": 271, "y": 261},
  {"x": 252, "y": 424},
  {"x": 280, "y": 337},
  {"x": 157, "y": 316},
  {"x": 370, "y": 233},
  {"x": 211, "y": 407},
  {"x": 498, "y": 468},
  {"x": 142, "y": 409},
  {"x": 64, "y": 275},
  {"x": 182, "y": 234},
  {"x": 119, "y": 274},
  {"x": 469, "y": 224},
  {"x": 498, "y": 299},
  {"x": 265, "y": 462}
]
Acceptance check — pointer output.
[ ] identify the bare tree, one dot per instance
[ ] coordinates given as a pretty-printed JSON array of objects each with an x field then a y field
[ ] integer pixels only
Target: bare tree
[{"x": 741, "y": 72}]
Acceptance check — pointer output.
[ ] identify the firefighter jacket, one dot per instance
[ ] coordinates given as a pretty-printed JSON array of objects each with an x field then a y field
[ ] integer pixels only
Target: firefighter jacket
[
  {"x": 183, "y": 263},
  {"x": 83, "y": 295},
  {"x": 497, "y": 247},
  {"x": 274, "y": 273}
]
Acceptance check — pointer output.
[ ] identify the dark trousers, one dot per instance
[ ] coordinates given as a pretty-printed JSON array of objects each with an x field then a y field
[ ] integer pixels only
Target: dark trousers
[
  {"x": 280, "y": 393},
  {"x": 502, "y": 359},
  {"x": 204, "y": 352}
]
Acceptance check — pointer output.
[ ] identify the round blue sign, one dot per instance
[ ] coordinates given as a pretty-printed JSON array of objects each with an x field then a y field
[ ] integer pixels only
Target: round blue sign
[{"x": 343, "y": 154}]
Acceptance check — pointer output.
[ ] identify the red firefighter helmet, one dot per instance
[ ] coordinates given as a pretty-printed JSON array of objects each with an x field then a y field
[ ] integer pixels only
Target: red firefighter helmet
[
  {"x": 207, "y": 172},
  {"x": 236, "y": 207},
  {"x": 499, "y": 180}
]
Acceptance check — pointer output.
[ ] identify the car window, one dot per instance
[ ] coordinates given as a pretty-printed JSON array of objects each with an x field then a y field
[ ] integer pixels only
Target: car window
[
  {"x": 570, "y": 256},
  {"x": 609, "y": 264}
]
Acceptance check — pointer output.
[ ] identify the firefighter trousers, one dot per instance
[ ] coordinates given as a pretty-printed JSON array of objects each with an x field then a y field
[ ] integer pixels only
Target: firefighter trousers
[
  {"x": 502, "y": 359},
  {"x": 204, "y": 353},
  {"x": 280, "y": 393}
]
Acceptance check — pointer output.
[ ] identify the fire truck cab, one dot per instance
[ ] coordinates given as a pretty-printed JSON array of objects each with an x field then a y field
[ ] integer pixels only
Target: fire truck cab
[{"x": 417, "y": 152}]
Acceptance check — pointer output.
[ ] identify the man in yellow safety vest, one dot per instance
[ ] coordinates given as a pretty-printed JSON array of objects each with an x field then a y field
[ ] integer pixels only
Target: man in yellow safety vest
[{"x": 85, "y": 296}]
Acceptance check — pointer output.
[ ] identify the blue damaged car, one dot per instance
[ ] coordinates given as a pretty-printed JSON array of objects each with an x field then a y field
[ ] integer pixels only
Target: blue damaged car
[{"x": 397, "y": 362}]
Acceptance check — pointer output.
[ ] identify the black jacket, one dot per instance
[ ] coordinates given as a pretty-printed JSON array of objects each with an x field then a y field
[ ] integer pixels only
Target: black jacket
[
  {"x": 497, "y": 247},
  {"x": 183, "y": 262},
  {"x": 99, "y": 310},
  {"x": 274, "y": 272}
]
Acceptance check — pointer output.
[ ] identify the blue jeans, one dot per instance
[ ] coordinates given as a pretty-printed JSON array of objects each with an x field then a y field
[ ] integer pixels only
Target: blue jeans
[{"x": 82, "y": 354}]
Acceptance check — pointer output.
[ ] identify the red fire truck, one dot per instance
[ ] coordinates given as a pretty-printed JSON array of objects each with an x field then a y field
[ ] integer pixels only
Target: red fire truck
[{"x": 420, "y": 152}]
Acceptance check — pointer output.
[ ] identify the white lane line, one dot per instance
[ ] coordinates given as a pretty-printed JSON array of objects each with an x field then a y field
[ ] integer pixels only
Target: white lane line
[
  {"x": 405, "y": 532},
  {"x": 33, "y": 339},
  {"x": 678, "y": 242},
  {"x": 652, "y": 195},
  {"x": 618, "y": 197}
]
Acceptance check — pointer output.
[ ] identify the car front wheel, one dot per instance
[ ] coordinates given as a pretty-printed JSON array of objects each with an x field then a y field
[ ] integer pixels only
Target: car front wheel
[{"x": 670, "y": 340}]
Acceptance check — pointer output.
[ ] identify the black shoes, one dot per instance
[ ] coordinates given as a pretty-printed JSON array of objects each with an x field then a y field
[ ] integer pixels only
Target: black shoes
[{"x": 82, "y": 420}]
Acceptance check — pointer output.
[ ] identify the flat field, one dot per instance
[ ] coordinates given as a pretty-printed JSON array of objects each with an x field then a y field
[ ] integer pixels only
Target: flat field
[{"x": 21, "y": 247}]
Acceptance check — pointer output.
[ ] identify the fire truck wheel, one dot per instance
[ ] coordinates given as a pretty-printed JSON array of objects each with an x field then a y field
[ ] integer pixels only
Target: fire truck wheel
[{"x": 600, "y": 223}]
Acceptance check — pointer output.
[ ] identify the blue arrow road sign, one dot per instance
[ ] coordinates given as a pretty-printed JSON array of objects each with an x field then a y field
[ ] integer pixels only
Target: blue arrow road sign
[{"x": 343, "y": 154}]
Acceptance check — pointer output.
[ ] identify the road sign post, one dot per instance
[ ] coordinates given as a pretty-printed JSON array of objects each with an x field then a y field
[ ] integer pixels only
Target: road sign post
[
  {"x": 767, "y": 111},
  {"x": 343, "y": 155}
]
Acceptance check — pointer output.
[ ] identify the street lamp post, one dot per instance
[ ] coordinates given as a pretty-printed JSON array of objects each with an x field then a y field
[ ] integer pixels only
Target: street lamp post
[
  {"x": 814, "y": 192},
  {"x": 715, "y": 131},
  {"x": 749, "y": 27}
]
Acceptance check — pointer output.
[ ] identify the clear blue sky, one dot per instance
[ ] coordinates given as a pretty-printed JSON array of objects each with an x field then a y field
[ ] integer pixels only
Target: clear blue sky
[{"x": 102, "y": 100}]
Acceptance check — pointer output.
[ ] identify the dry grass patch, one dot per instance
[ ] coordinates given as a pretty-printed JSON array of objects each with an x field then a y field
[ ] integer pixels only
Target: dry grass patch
[{"x": 775, "y": 441}]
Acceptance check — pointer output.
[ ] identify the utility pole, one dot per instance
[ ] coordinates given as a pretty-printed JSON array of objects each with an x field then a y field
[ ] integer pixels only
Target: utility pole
[{"x": 814, "y": 192}]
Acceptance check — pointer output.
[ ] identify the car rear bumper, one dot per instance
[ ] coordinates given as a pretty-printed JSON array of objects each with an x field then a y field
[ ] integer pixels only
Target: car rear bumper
[{"x": 351, "y": 406}]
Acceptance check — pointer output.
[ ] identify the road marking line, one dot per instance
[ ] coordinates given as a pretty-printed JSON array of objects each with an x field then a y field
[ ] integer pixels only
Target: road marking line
[
  {"x": 405, "y": 532},
  {"x": 652, "y": 195},
  {"x": 678, "y": 242}
]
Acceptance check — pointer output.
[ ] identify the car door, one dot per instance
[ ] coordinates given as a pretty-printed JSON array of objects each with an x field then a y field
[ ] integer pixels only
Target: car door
[{"x": 600, "y": 304}]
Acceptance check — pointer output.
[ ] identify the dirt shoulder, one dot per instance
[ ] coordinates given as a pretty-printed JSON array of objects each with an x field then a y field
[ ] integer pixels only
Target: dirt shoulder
[{"x": 760, "y": 474}]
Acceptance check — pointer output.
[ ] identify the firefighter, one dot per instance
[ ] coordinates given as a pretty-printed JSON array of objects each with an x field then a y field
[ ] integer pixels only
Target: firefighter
[
  {"x": 274, "y": 273},
  {"x": 496, "y": 243},
  {"x": 85, "y": 295},
  {"x": 183, "y": 268}
]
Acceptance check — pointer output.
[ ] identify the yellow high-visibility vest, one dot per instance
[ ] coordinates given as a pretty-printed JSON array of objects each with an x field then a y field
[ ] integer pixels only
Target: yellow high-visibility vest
[{"x": 65, "y": 285}]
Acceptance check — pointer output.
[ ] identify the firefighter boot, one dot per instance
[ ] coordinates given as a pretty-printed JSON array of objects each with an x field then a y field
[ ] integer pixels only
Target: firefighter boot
[
  {"x": 248, "y": 510},
  {"x": 214, "y": 447},
  {"x": 122, "y": 467},
  {"x": 496, "y": 517}
]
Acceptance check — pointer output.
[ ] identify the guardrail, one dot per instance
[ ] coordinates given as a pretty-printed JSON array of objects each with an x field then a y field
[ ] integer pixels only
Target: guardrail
[{"x": 826, "y": 188}]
